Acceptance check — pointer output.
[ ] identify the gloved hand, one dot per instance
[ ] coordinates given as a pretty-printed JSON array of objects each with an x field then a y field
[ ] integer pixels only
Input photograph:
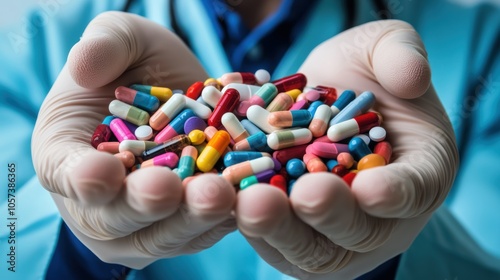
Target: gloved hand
[
  {"x": 327, "y": 230},
  {"x": 131, "y": 220}
]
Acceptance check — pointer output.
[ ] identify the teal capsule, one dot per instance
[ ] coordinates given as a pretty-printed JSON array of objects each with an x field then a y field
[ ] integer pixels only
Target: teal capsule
[
  {"x": 185, "y": 167},
  {"x": 235, "y": 157}
]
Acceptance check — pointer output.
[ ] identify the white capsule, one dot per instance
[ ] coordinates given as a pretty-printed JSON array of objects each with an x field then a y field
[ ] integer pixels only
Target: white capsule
[
  {"x": 246, "y": 91},
  {"x": 167, "y": 112},
  {"x": 343, "y": 130},
  {"x": 258, "y": 116},
  {"x": 234, "y": 127},
  {"x": 136, "y": 147},
  {"x": 320, "y": 121},
  {"x": 198, "y": 108},
  {"x": 211, "y": 95},
  {"x": 286, "y": 138}
]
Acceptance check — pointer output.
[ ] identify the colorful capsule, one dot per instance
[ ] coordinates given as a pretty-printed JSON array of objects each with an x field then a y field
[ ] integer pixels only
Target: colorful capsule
[
  {"x": 289, "y": 118},
  {"x": 299, "y": 105},
  {"x": 314, "y": 106},
  {"x": 167, "y": 159},
  {"x": 283, "y": 101},
  {"x": 288, "y": 138},
  {"x": 345, "y": 159},
  {"x": 287, "y": 154},
  {"x": 194, "y": 91},
  {"x": 213, "y": 151},
  {"x": 235, "y": 173},
  {"x": 236, "y": 157},
  {"x": 128, "y": 112},
  {"x": 358, "y": 148},
  {"x": 349, "y": 177},
  {"x": 250, "y": 127},
  {"x": 194, "y": 123},
  {"x": 358, "y": 106},
  {"x": 109, "y": 147},
  {"x": 262, "y": 98},
  {"x": 187, "y": 162},
  {"x": 377, "y": 134},
  {"x": 198, "y": 108},
  {"x": 328, "y": 95},
  {"x": 162, "y": 93},
  {"x": 319, "y": 123},
  {"x": 175, "y": 127},
  {"x": 143, "y": 132},
  {"x": 234, "y": 127},
  {"x": 295, "y": 81},
  {"x": 279, "y": 181},
  {"x": 258, "y": 116},
  {"x": 345, "y": 98},
  {"x": 295, "y": 168},
  {"x": 314, "y": 163},
  {"x": 238, "y": 77},
  {"x": 136, "y": 98},
  {"x": 174, "y": 145},
  {"x": 120, "y": 130},
  {"x": 311, "y": 95},
  {"x": 127, "y": 158},
  {"x": 326, "y": 150},
  {"x": 351, "y": 127},
  {"x": 331, "y": 163},
  {"x": 136, "y": 147},
  {"x": 102, "y": 132},
  {"x": 227, "y": 103},
  {"x": 261, "y": 177},
  {"x": 254, "y": 142},
  {"x": 246, "y": 91},
  {"x": 197, "y": 136},
  {"x": 167, "y": 112},
  {"x": 383, "y": 149}
]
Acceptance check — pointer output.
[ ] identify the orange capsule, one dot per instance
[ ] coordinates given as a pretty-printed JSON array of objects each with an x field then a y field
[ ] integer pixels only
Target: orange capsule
[
  {"x": 213, "y": 151},
  {"x": 109, "y": 147},
  {"x": 345, "y": 159},
  {"x": 370, "y": 161},
  {"x": 314, "y": 163},
  {"x": 127, "y": 158}
]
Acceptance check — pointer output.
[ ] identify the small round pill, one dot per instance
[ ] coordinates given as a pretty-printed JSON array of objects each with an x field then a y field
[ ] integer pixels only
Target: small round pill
[
  {"x": 295, "y": 167},
  {"x": 377, "y": 134},
  {"x": 194, "y": 123},
  {"x": 196, "y": 136},
  {"x": 262, "y": 76},
  {"x": 144, "y": 132}
]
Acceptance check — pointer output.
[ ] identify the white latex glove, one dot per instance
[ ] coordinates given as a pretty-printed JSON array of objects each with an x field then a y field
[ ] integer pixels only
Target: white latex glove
[
  {"x": 327, "y": 230},
  {"x": 136, "y": 219}
]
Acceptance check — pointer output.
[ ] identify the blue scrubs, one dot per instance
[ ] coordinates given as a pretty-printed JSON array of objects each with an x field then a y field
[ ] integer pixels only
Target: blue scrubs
[{"x": 462, "y": 42}]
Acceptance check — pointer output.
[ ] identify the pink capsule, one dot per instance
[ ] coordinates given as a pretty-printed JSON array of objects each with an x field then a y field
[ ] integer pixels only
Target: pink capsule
[
  {"x": 326, "y": 150},
  {"x": 298, "y": 105},
  {"x": 238, "y": 77},
  {"x": 120, "y": 130},
  {"x": 345, "y": 159},
  {"x": 314, "y": 163},
  {"x": 168, "y": 159}
]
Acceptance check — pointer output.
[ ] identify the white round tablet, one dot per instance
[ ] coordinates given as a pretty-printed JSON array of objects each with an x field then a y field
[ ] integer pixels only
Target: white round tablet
[
  {"x": 144, "y": 132},
  {"x": 377, "y": 134},
  {"x": 262, "y": 76}
]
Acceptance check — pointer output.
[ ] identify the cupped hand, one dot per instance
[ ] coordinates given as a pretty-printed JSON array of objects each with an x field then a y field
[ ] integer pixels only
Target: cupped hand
[
  {"x": 328, "y": 230},
  {"x": 135, "y": 219}
]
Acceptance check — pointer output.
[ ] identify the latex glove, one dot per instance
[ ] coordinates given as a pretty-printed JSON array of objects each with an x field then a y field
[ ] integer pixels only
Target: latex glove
[
  {"x": 327, "y": 230},
  {"x": 135, "y": 219}
]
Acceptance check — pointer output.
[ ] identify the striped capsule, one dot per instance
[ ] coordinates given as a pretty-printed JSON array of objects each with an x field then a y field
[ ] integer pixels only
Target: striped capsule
[
  {"x": 213, "y": 151},
  {"x": 136, "y": 98},
  {"x": 235, "y": 173},
  {"x": 167, "y": 159},
  {"x": 187, "y": 162},
  {"x": 354, "y": 126},
  {"x": 174, "y": 145},
  {"x": 319, "y": 123},
  {"x": 120, "y": 130},
  {"x": 234, "y": 127},
  {"x": 136, "y": 147},
  {"x": 167, "y": 112},
  {"x": 129, "y": 113},
  {"x": 175, "y": 127},
  {"x": 288, "y": 138},
  {"x": 289, "y": 118},
  {"x": 162, "y": 93}
]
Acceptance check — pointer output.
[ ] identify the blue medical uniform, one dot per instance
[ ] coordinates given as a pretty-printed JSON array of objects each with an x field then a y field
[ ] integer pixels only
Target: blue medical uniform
[{"x": 461, "y": 241}]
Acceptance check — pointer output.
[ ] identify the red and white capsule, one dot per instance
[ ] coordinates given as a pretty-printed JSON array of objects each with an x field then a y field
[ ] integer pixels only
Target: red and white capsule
[{"x": 351, "y": 127}]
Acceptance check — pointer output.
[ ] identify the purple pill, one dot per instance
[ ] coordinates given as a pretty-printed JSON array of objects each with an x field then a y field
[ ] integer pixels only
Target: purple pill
[{"x": 194, "y": 123}]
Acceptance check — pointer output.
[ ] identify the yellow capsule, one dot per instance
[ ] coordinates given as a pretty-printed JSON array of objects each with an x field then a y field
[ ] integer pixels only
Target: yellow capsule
[{"x": 213, "y": 151}]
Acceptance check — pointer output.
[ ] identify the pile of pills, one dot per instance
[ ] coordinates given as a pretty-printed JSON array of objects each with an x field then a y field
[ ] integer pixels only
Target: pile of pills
[{"x": 246, "y": 129}]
